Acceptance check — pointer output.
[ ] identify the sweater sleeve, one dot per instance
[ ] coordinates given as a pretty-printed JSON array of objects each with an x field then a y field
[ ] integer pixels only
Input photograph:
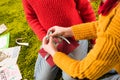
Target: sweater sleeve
[
  {"x": 85, "y": 30},
  {"x": 86, "y": 11},
  {"x": 33, "y": 20},
  {"x": 101, "y": 59}
]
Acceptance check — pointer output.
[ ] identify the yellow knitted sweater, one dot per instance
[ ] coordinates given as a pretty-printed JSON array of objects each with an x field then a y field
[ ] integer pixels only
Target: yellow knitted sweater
[{"x": 106, "y": 53}]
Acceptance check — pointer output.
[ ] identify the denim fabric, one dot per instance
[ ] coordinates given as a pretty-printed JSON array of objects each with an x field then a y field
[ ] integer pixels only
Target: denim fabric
[
  {"x": 44, "y": 72},
  {"x": 113, "y": 77}
]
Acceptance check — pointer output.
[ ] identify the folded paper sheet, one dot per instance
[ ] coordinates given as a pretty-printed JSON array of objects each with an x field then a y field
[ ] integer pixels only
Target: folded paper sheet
[
  {"x": 2, "y": 28},
  {"x": 8, "y": 63},
  {"x": 9, "y": 55},
  {"x": 4, "y": 41}
]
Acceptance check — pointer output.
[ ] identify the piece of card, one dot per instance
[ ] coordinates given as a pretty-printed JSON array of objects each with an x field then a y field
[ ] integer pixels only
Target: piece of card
[
  {"x": 2, "y": 28},
  {"x": 4, "y": 41}
]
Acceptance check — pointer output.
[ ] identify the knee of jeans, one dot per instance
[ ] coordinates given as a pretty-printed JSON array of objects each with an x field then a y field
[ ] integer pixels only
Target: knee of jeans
[
  {"x": 44, "y": 77},
  {"x": 67, "y": 77},
  {"x": 116, "y": 77}
]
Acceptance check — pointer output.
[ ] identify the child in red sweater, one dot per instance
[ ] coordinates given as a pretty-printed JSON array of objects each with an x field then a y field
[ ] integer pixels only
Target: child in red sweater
[{"x": 42, "y": 15}]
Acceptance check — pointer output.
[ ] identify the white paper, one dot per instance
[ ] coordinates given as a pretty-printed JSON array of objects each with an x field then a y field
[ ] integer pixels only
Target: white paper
[
  {"x": 13, "y": 54},
  {"x": 4, "y": 41},
  {"x": 8, "y": 64},
  {"x": 10, "y": 73},
  {"x": 2, "y": 28}
]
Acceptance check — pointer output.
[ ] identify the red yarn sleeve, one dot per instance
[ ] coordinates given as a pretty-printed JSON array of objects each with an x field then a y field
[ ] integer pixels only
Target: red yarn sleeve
[
  {"x": 86, "y": 10},
  {"x": 33, "y": 20}
]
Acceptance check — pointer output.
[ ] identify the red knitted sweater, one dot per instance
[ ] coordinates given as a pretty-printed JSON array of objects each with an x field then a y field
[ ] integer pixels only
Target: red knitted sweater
[{"x": 43, "y": 14}]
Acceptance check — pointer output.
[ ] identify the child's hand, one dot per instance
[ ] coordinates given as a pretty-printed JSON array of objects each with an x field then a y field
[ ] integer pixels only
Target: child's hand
[{"x": 49, "y": 46}]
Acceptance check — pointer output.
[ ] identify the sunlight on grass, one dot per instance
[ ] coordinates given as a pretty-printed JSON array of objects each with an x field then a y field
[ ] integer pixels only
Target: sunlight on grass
[{"x": 12, "y": 14}]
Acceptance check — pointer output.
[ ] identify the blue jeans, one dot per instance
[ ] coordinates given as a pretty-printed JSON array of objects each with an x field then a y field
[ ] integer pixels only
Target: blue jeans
[
  {"x": 44, "y": 72},
  {"x": 113, "y": 77}
]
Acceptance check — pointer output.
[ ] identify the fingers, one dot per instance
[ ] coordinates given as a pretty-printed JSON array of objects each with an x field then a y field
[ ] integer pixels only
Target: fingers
[
  {"x": 52, "y": 29},
  {"x": 47, "y": 41},
  {"x": 50, "y": 40},
  {"x": 59, "y": 31},
  {"x": 44, "y": 40}
]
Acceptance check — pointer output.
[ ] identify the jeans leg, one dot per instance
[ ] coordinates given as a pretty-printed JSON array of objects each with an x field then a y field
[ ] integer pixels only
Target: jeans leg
[
  {"x": 43, "y": 71},
  {"x": 79, "y": 53},
  {"x": 113, "y": 77},
  {"x": 66, "y": 76}
]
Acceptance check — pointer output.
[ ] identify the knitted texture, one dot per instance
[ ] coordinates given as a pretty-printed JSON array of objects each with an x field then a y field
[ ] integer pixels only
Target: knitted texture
[
  {"x": 105, "y": 54},
  {"x": 43, "y": 14},
  {"x": 106, "y": 6}
]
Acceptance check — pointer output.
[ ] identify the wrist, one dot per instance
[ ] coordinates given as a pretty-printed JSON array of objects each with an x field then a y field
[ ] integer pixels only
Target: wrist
[
  {"x": 70, "y": 31},
  {"x": 53, "y": 53}
]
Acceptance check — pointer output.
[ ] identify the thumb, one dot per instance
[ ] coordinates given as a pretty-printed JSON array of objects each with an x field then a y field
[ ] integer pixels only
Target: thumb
[
  {"x": 44, "y": 41},
  {"x": 50, "y": 39}
]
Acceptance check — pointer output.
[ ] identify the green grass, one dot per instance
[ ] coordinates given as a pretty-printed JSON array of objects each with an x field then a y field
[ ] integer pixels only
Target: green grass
[{"x": 12, "y": 15}]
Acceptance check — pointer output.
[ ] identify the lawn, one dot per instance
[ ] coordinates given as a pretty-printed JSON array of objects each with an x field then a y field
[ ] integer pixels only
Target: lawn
[{"x": 12, "y": 15}]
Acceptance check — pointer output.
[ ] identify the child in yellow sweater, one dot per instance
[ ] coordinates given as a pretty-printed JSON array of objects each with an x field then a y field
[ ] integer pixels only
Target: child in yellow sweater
[{"x": 105, "y": 54}]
